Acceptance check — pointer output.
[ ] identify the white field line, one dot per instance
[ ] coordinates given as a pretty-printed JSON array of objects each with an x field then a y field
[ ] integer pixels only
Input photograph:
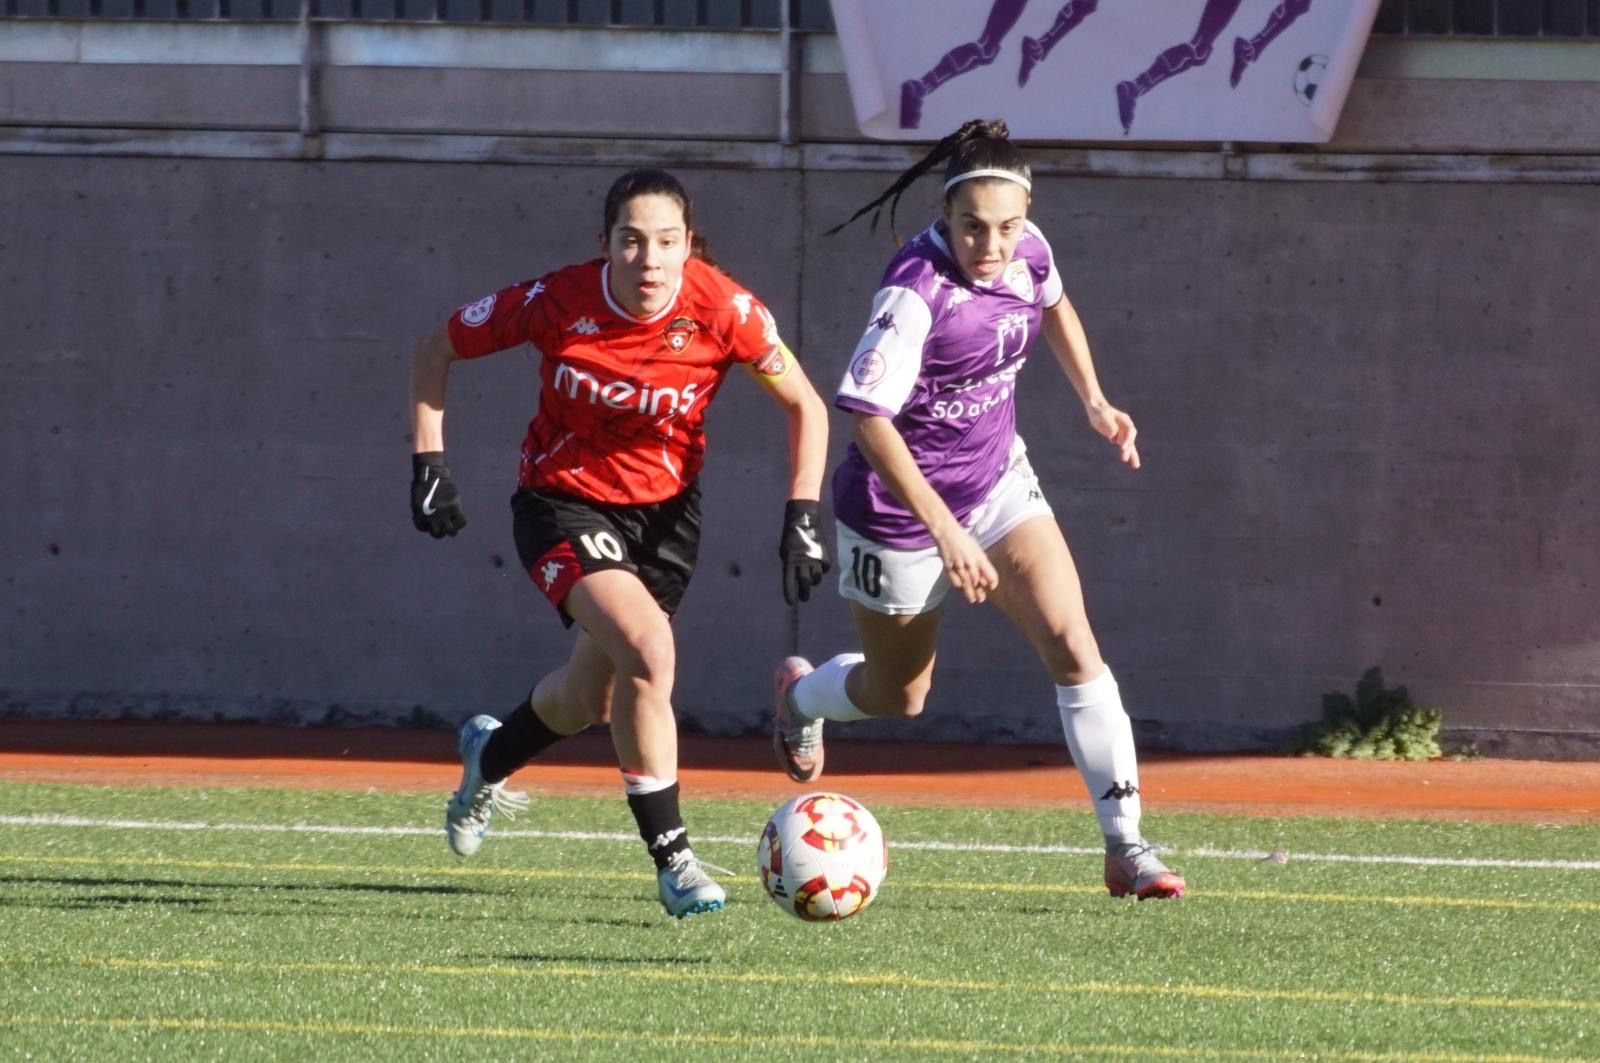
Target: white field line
[{"x": 47, "y": 820}]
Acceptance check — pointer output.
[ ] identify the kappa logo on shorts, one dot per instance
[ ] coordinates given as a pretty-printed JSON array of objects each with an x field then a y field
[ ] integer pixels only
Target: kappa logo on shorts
[
  {"x": 869, "y": 367},
  {"x": 475, "y": 314},
  {"x": 556, "y": 571}
]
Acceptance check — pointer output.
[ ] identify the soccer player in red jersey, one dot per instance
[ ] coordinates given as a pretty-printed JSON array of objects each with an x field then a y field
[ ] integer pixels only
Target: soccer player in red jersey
[{"x": 606, "y": 516}]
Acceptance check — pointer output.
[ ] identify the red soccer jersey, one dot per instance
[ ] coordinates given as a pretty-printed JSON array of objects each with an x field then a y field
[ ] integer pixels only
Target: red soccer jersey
[{"x": 622, "y": 400}]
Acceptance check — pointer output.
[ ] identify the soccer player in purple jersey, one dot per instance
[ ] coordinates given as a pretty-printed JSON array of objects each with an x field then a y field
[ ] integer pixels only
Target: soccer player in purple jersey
[{"x": 936, "y": 491}]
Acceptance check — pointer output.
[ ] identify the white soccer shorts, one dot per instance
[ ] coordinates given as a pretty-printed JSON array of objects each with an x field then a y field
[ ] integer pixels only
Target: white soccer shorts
[{"x": 905, "y": 582}]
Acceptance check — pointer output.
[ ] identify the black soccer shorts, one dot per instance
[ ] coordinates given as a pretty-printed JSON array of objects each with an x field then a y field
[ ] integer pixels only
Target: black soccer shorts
[{"x": 562, "y": 538}]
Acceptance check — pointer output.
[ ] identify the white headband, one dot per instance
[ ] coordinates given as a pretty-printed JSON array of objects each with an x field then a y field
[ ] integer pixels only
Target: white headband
[{"x": 1005, "y": 174}]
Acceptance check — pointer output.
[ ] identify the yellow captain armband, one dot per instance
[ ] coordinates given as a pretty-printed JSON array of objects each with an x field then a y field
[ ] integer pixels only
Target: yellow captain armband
[{"x": 773, "y": 366}]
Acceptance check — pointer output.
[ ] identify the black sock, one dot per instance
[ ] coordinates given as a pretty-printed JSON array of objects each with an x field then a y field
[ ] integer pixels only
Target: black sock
[
  {"x": 660, "y": 823},
  {"x": 519, "y": 738}
]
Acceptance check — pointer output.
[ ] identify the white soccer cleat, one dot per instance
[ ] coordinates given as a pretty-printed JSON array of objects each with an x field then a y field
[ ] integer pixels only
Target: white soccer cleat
[
  {"x": 1135, "y": 869},
  {"x": 467, "y": 813},
  {"x": 686, "y": 889},
  {"x": 796, "y": 741}
]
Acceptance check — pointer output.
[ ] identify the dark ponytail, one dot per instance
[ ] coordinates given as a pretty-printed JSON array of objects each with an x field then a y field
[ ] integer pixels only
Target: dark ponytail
[{"x": 978, "y": 145}]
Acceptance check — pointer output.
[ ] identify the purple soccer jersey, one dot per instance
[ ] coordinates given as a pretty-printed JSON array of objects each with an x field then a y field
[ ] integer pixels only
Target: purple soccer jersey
[{"x": 940, "y": 357}]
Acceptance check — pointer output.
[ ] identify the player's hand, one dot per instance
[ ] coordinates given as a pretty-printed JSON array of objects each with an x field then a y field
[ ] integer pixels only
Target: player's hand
[
  {"x": 802, "y": 550},
  {"x": 1117, "y": 427},
  {"x": 968, "y": 566},
  {"x": 435, "y": 502}
]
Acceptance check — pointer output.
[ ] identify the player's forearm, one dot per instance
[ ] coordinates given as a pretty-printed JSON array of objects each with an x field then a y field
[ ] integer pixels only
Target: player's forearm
[
  {"x": 808, "y": 445},
  {"x": 430, "y": 371},
  {"x": 1070, "y": 345},
  {"x": 886, "y": 451}
]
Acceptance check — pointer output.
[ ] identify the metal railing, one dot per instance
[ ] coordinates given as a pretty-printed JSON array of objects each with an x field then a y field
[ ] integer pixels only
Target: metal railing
[{"x": 1478, "y": 18}]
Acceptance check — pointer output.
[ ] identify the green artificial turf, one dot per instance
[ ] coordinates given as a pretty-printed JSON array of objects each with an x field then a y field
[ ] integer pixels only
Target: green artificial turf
[{"x": 155, "y": 923}]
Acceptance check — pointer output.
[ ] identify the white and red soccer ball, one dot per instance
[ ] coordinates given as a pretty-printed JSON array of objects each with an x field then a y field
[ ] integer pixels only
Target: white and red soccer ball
[{"x": 822, "y": 857}]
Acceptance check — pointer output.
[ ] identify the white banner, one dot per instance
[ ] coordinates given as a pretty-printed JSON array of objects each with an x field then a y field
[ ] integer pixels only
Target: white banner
[{"x": 1107, "y": 70}]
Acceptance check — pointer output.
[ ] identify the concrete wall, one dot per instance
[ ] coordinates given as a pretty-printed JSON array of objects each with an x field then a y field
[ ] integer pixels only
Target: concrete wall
[{"x": 1368, "y": 412}]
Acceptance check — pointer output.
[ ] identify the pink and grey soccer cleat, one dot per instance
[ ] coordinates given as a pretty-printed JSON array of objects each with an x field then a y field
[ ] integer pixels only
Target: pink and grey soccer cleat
[
  {"x": 796, "y": 740},
  {"x": 1135, "y": 869}
]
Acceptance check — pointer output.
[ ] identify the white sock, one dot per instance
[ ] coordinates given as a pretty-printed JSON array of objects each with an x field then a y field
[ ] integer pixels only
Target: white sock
[
  {"x": 821, "y": 695},
  {"x": 1100, "y": 736}
]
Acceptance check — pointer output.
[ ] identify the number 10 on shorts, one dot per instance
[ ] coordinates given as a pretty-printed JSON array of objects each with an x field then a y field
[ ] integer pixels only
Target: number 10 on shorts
[
  {"x": 601, "y": 545},
  {"x": 866, "y": 570}
]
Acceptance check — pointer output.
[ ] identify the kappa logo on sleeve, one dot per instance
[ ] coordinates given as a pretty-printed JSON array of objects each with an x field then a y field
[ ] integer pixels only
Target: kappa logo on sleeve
[
  {"x": 475, "y": 314},
  {"x": 741, "y": 303},
  {"x": 869, "y": 367},
  {"x": 884, "y": 322},
  {"x": 533, "y": 292}
]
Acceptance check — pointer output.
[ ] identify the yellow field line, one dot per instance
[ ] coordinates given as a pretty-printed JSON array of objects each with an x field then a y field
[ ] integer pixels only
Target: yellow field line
[
  {"x": 836, "y": 979},
  {"x": 749, "y": 1042},
  {"x": 526, "y": 874}
]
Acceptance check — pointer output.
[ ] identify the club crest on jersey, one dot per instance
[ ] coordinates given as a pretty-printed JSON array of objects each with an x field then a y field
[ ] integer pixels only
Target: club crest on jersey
[
  {"x": 679, "y": 332},
  {"x": 475, "y": 314},
  {"x": 868, "y": 367},
  {"x": 1019, "y": 280}
]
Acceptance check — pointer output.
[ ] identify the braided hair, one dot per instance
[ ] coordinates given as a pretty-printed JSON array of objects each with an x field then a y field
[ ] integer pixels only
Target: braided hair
[{"x": 979, "y": 145}]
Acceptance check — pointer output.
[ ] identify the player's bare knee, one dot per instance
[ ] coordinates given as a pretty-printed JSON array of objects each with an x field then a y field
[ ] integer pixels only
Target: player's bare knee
[
  {"x": 650, "y": 657},
  {"x": 1073, "y": 656}
]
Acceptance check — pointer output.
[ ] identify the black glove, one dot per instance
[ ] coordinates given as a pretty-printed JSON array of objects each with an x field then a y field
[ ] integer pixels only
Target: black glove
[
  {"x": 435, "y": 502},
  {"x": 804, "y": 554}
]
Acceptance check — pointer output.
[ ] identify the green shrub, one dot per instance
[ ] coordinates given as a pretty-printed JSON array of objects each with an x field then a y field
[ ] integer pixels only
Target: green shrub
[{"x": 1379, "y": 723}]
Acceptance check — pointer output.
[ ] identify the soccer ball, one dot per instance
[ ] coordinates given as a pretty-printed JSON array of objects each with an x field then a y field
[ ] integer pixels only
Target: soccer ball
[
  {"x": 822, "y": 857},
  {"x": 1308, "y": 75}
]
